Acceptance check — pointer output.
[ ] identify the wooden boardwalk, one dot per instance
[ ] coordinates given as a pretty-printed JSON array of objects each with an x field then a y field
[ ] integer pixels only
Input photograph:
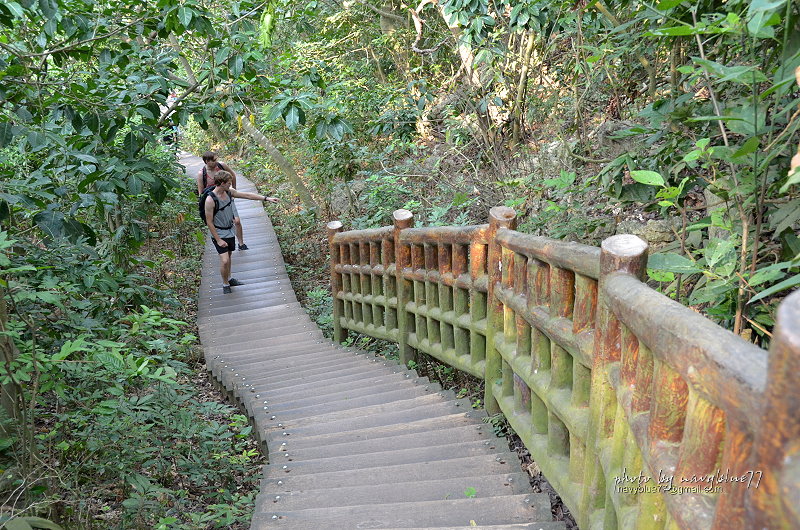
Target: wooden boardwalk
[{"x": 354, "y": 441}]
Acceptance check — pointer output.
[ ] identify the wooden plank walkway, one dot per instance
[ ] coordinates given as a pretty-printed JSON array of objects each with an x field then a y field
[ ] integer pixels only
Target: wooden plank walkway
[{"x": 354, "y": 441}]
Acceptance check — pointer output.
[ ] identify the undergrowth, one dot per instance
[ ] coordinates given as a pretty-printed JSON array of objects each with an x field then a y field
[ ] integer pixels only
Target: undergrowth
[{"x": 120, "y": 427}]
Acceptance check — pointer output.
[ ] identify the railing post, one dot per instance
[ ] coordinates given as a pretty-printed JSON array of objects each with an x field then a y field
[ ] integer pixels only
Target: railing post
[
  {"x": 402, "y": 259},
  {"x": 335, "y": 227},
  {"x": 620, "y": 253},
  {"x": 775, "y": 502},
  {"x": 499, "y": 217}
]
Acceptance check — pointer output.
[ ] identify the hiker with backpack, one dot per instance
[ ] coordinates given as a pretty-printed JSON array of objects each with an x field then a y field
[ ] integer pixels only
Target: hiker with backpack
[
  {"x": 205, "y": 178},
  {"x": 216, "y": 209}
]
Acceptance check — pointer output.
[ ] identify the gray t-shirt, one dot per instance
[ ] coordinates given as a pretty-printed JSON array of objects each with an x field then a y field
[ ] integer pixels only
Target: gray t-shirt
[{"x": 223, "y": 219}]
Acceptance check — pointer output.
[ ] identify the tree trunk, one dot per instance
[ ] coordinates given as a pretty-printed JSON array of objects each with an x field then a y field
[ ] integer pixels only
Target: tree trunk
[
  {"x": 464, "y": 52},
  {"x": 516, "y": 111},
  {"x": 8, "y": 391},
  {"x": 215, "y": 132},
  {"x": 286, "y": 167}
]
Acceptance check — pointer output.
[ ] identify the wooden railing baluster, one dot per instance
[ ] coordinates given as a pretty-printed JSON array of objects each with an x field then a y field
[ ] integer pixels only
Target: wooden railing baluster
[
  {"x": 499, "y": 217},
  {"x": 775, "y": 503},
  {"x": 605, "y": 380},
  {"x": 337, "y": 287},
  {"x": 402, "y": 259}
]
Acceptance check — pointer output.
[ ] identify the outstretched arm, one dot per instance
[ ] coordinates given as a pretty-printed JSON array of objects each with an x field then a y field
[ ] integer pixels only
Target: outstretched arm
[{"x": 251, "y": 196}]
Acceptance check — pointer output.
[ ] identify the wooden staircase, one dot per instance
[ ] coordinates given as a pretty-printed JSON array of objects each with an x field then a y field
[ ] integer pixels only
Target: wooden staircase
[{"x": 354, "y": 440}]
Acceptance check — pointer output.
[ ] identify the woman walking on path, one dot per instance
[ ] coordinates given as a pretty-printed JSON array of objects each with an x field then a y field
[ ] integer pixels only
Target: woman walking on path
[{"x": 220, "y": 221}]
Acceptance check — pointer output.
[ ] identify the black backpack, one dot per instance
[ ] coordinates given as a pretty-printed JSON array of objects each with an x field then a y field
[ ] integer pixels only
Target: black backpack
[{"x": 201, "y": 206}]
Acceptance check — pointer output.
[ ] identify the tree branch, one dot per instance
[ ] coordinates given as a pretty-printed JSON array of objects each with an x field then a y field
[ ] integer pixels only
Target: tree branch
[
  {"x": 45, "y": 53},
  {"x": 386, "y": 14}
]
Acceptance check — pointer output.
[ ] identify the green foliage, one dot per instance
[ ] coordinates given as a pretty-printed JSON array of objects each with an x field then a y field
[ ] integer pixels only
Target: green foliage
[
  {"x": 320, "y": 309},
  {"x": 499, "y": 424},
  {"x": 27, "y": 523},
  {"x": 384, "y": 194},
  {"x": 113, "y": 429}
]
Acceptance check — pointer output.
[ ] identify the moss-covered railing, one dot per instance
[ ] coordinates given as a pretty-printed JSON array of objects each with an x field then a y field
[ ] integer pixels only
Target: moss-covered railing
[{"x": 640, "y": 412}]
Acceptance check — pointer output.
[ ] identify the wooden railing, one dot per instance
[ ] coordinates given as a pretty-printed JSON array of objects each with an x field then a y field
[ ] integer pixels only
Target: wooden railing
[{"x": 640, "y": 412}]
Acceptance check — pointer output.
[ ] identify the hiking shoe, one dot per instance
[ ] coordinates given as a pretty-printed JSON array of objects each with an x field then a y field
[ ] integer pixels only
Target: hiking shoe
[
  {"x": 226, "y": 289},
  {"x": 243, "y": 247},
  {"x": 234, "y": 282}
]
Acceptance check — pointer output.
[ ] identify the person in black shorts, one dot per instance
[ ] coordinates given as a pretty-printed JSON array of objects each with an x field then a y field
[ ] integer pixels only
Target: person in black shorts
[
  {"x": 205, "y": 178},
  {"x": 221, "y": 225}
]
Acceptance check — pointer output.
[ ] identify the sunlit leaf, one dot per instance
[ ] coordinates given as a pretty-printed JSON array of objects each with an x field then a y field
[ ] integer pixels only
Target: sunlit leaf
[
  {"x": 782, "y": 286},
  {"x": 671, "y": 262},
  {"x": 665, "y": 5},
  {"x": 651, "y": 178}
]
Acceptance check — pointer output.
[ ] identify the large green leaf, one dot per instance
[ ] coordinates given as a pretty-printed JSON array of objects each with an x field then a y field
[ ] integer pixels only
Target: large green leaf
[
  {"x": 185, "y": 15},
  {"x": 18, "y": 523},
  {"x": 92, "y": 122},
  {"x": 671, "y": 262},
  {"x": 6, "y": 133},
  {"x": 665, "y": 5},
  {"x": 294, "y": 116},
  {"x": 738, "y": 74},
  {"x": 651, "y": 178},
  {"x": 782, "y": 286},
  {"x": 222, "y": 55},
  {"x": 676, "y": 31},
  {"x": 237, "y": 66},
  {"x": 760, "y": 17},
  {"x": 110, "y": 360},
  {"x": 794, "y": 178},
  {"x": 36, "y": 141},
  {"x": 51, "y": 222},
  {"x": 38, "y": 522},
  {"x": 158, "y": 191},
  {"x": 786, "y": 216},
  {"x": 720, "y": 254},
  {"x": 132, "y": 145}
]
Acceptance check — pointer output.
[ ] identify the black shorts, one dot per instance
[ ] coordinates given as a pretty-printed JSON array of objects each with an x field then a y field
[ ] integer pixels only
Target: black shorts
[{"x": 231, "y": 241}]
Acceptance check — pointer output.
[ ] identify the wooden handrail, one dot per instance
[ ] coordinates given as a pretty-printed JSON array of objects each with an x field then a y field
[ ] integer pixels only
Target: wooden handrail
[{"x": 639, "y": 411}]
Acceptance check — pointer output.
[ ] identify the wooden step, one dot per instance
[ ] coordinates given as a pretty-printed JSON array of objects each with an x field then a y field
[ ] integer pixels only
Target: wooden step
[
  {"x": 425, "y": 514},
  {"x": 354, "y": 440},
  {"x": 443, "y": 488},
  {"x": 471, "y": 420},
  {"x": 498, "y": 464},
  {"x": 465, "y": 433}
]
